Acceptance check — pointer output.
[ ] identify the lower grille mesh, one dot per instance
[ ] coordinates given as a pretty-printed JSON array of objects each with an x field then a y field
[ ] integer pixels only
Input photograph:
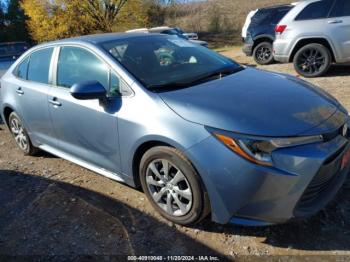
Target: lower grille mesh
[{"x": 320, "y": 182}]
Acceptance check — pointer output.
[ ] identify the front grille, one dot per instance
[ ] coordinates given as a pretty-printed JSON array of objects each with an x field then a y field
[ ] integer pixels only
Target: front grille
[{"x": 322, "y": 180}]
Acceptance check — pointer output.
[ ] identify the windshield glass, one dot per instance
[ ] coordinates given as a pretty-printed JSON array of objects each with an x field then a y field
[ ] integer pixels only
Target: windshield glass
[{"x": 163, "y": 62}]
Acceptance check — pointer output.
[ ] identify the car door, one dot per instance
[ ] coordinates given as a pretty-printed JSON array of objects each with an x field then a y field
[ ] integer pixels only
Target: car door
[
  {"x": 85, "y": 129},
  {"x": 32, "y": 84},
  {"x": 339, "y": 29}
]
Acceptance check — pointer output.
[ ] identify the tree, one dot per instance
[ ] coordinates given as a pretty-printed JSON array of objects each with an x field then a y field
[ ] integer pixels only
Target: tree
[
  {"x": 104, "y": 13},
  {"x": 54, "y": 19},
  {"x": 155, "y": 12},
  {"x": 2, "y": 22},
  {"x": 14, "y": 22}
]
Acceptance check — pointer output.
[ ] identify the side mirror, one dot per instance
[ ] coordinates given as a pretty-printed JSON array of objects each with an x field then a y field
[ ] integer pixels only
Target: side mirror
[{"x": 88, "y": 90}]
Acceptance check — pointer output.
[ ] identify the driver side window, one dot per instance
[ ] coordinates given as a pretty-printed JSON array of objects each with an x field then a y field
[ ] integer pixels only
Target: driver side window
[{"x": 76, "y": 65}]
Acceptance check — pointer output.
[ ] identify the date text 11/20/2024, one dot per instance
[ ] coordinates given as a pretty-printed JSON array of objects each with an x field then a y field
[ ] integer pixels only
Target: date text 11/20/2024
[{"x": 173, "y": 258}]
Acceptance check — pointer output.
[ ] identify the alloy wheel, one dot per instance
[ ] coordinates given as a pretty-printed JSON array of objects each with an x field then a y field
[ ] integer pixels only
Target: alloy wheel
[
  {"x": 311, "y": 61},
  {"x": 263, "y": 54},
  {"x": 19, "y": 134},
  {"x": 169, "y": 187}
]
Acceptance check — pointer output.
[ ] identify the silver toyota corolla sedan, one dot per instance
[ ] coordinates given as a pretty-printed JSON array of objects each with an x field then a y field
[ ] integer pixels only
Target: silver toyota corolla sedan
[{"x": 198, "y": 132}]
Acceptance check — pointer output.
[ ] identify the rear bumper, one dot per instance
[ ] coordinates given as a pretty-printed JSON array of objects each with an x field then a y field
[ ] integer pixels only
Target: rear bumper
[
  {"x": 248, "y": 49},
  {"x": 244, "y": 193},
  {"x": 248, "y": 45}
]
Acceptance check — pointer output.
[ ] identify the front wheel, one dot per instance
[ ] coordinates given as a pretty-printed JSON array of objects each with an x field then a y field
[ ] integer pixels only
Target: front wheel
[
  {"x": 263, "y": 53},
  {"x": 172, "y": 186},
  {"x": 312, "y": 60}
]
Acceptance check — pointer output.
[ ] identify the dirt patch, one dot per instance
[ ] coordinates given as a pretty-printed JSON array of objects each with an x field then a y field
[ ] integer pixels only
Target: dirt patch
[{"x": 52, "y": 207}]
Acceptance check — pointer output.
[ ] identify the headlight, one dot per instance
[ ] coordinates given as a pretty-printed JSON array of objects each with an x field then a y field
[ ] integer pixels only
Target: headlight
[{"x": 258, "y": 150}]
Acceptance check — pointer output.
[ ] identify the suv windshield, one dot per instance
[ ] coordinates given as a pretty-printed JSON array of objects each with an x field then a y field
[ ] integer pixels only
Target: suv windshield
[{"x": 167, "y": 62}]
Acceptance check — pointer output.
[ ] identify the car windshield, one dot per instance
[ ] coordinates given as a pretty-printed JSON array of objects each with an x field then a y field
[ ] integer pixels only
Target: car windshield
[
  {"x": 161, "y": 63},
  {"x": 174, "y": 32},
  {"x": 179, "y": 30}
]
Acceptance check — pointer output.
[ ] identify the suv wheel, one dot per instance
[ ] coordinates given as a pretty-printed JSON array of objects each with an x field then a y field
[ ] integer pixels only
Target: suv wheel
[
  {"x": 172, "y": 186},
  {"x": 312, "y": 60},
  {"x": 21, "y": 136},
  {"x": 263, "y": 53}
]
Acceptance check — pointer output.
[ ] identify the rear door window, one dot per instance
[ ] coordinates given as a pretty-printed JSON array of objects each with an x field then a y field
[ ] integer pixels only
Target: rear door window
[
  {"x": 263, "y": 16},
  {"x": 316, "y": 10},
  {"x": 22, "y": 69},
  {"x": 39, "y": 66},
  {"x": 341, "y": 8},
  {"x": 280, "y": 13}
]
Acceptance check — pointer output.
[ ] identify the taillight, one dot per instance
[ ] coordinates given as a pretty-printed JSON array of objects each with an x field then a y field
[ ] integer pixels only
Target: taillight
[{"x": 280, "y": 28}]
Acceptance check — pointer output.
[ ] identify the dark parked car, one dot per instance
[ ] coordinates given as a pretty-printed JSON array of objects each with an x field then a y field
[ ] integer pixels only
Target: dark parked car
[{"x": 260, "y": 32}]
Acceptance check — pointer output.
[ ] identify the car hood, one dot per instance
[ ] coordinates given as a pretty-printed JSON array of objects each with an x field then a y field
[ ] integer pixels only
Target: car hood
[{"x": 256, "y": 102}]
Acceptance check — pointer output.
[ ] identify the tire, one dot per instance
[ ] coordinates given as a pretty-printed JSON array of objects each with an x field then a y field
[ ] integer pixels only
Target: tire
[
  {"x": 193, "y": 199},
  {"x": 21, "y": 136},
  {"x": 263, "y": 53},
  {"x": 312, "y": 60}
]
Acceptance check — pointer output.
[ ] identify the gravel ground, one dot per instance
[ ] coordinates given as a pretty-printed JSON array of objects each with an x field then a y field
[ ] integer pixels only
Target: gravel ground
[{"x": 51, "y": 207}]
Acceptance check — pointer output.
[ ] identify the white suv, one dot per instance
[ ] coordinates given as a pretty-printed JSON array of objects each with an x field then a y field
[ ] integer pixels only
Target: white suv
[{"x": 314, "y": 34}]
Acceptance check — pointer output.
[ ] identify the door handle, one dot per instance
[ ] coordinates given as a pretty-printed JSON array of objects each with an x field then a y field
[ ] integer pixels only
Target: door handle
[
  {"x": 20, "y": 91},
  {"x": 54, "y": 102},
  {"x": 335, "y": 21}
]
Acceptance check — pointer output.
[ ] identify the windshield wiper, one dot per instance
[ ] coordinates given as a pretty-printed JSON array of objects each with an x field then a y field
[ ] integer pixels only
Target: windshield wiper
[
  {"x": 218, "y": 74},
  {"x": 168, "y": 86}
]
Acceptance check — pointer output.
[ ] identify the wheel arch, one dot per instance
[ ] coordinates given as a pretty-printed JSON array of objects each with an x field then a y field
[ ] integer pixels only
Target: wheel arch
[
  {"x": 315, "y": 40},
  {"x": 147, "y": 145},
  {"x": 137, "y": 156},
  {"x": 263, "y": 38},
  {"x": 7, "y": 112},
  {"x": 143, "y": 147}
]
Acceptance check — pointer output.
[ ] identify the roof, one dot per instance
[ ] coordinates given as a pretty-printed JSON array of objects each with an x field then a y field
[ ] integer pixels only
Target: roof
[
  {"x": 276, "y": 7},
  {"x": 102, "y": 38}
]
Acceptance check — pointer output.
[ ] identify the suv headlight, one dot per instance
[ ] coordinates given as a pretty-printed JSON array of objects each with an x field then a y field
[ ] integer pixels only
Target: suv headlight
[{"x": 259, "y": 150}]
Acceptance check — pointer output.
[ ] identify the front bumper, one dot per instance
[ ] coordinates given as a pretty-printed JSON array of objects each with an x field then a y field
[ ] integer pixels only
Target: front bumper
[{"x": 303, "y": 181}]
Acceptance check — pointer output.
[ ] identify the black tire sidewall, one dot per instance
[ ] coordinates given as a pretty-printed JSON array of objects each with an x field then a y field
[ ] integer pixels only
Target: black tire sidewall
[
  {"x": 267, "y": 45},
  {"x": 321, "y": 48},
  {"x": 31, "y": 149},
  {"x": 175, "y": 157}
]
